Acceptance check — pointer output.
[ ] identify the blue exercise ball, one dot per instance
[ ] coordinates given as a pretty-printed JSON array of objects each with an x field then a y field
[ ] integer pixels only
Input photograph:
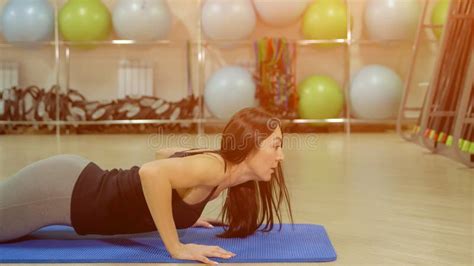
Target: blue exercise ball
[{"x": 28, "y": 21}]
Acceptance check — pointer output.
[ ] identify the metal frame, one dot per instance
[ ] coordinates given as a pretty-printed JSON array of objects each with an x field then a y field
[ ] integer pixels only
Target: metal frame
[{"x": 407, "y": 86}]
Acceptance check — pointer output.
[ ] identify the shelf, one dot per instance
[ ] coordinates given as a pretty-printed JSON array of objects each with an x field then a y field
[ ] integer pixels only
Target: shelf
[
  {"x": 71, "y": 43},
  {"x": 28, "y": 123},
  {"x": 248, "y": 42},
  {"x": 122, "y": 42},
  {"x": 353, "y": 121},
  {"x": 316, "y": 42},
  {"x": 299, "y": 42},
  {"x": 388, "y": 42},
  {"x": 101, "y": 122},
  {"x": 26, "y": 45}
]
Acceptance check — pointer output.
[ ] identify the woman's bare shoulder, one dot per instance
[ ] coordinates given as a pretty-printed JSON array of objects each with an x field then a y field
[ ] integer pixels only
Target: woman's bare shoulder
[{"x": 189, "y": 171}]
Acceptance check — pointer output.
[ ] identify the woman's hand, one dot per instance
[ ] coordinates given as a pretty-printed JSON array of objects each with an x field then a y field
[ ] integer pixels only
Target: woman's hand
[
  {"x": 207, "y": 223},
  {"x": 201, "y": 253}
]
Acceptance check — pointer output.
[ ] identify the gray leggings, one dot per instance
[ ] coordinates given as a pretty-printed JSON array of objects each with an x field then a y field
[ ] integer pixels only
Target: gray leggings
[{"x": 38, "y": 195}]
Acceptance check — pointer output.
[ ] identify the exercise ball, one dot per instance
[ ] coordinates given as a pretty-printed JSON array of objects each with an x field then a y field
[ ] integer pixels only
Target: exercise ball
[
  {"x": 228, "y": 90},
  {"x": 1, "y": 19},
  {"x": 320, "y": 97},
  {"x": 325, "y": 19},
  {"x": 28, "y": 21},
  {"x": 280, "y": 12},
  {"x": 375, "y": 93},
  {"x": 439, "y": 16},
  {"x": 84, "y": 20},
  {"x": 391, "y": 19},
  {"x": 228, "y": 19},
  {"x": 142, "y": 20}
]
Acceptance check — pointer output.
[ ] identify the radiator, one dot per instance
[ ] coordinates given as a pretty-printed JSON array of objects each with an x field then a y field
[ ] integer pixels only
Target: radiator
[
  {"x": 8, "y": 74},
  {"x": 135, "y": 78}
]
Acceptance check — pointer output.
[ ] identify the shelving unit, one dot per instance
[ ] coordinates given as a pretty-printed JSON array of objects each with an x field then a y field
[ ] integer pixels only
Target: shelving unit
[
  {"x": 459, "y": 116},
  {"x": 196, "y": 50},
  {"x": 347, "y": 120}
]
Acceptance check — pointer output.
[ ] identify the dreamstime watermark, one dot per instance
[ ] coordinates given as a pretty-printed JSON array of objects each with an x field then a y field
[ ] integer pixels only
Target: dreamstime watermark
[{"x": 291, "y": 141}]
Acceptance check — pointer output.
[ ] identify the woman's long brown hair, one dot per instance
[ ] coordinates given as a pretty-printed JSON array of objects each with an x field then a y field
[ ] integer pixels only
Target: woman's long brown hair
[{"x": 250, "y": 205}]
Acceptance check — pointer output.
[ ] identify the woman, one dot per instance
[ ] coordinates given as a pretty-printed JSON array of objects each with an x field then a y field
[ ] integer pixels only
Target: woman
[{"x": 160, "y": 195}]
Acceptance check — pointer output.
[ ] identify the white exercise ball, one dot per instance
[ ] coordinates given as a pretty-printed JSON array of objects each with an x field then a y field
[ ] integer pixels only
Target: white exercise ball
[
  {"x": 228, "y": 90},
  {"x": 142, "y": 20},
  {"x": 392, "y": 19},
  {"x": 228, "y": 19},
  {"x": 375, "y": 93},
  {"x": 280, "y": 12}
]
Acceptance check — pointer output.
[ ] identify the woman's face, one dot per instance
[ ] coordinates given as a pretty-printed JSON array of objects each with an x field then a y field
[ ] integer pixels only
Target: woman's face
[{"x": 265, "y": 159}]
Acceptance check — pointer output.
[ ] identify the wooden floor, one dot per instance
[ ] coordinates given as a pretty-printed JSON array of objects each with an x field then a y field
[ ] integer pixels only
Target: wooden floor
[{"x": 383, "y": 201}]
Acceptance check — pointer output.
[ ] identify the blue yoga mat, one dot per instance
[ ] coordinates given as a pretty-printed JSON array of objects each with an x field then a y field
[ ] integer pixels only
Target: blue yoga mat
[{"x": 60, "y": 244}]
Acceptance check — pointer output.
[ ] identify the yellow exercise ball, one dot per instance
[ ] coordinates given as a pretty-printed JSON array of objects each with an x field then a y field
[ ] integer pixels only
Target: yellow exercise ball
[
  {"x": 439, "y": 16},
  {"x": 85, "y": 20},
  {"x": 325, "y": 19}
]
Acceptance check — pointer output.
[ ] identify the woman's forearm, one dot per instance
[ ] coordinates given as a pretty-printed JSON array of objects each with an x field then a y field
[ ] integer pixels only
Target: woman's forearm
[{"x": 157, "y": 191}]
